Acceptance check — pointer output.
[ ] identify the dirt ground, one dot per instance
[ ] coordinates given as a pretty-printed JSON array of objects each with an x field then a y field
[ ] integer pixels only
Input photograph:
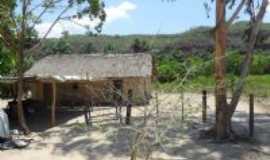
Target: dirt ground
[{"x": 161, "y": 129}]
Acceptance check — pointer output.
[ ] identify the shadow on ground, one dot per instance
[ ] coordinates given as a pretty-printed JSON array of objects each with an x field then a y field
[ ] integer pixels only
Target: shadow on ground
[{"x": 171, "y": 139}]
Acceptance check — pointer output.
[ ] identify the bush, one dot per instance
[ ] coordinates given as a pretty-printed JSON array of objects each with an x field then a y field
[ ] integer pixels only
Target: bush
[
  {"x": 172, "y": 67},
  {"x": 169, "y": 70},
  {"x": 199, "y": 66},
  {"x": 260, "y": 64},
  {"x": 233, "y": 63}
]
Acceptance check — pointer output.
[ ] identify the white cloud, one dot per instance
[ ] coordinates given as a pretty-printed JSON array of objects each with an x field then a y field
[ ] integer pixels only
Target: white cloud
[
  {"x": 119, "y": 12},
  {"x": 114, "y": 13}
]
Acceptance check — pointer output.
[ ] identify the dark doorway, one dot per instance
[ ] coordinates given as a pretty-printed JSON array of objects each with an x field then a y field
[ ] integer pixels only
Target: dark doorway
[{"x": 47, "y": 92}]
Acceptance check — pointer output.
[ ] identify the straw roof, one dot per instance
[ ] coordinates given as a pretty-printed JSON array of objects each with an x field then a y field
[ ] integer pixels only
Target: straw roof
[{"x": 92, "y": 66}]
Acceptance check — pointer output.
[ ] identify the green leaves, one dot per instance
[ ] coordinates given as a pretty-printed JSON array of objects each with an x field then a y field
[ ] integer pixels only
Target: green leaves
[
  {"x": 93, "y": 8},
  {"x": 7, "y": 13},
  {"x": 7, "y": 61},
  {"x": 139, "y": 46}
]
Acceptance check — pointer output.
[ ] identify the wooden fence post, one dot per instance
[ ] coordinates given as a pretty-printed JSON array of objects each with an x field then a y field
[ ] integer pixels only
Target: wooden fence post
[
  {"x": 204, "y": 106},
  {"x": 87, "y": 114},
  {"x": 129, "y": 106},
  {"x": 157, "y": 104},
  {"x": 251, "y": 115},
  {"x": 182, "y": 105}
]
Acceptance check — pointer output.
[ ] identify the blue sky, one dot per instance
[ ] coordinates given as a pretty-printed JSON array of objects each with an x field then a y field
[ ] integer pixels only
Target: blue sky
[
  {"x": 153, "y": 16},
  {"x": 142, "y": 17}
]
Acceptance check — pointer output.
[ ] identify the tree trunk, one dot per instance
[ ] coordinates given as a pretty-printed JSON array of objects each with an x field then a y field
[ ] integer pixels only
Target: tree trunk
[
  {"x": 224, "y": 111},
  {"x": 20, "y": 112},
  {"x": 19, "y": 65},
  {"x": 222, "y": 122},
  {"x": 255, "y": 27}
]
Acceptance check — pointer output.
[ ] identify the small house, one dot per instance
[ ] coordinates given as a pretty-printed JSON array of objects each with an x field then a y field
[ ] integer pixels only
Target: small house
[{"x": 97, "y": 79}]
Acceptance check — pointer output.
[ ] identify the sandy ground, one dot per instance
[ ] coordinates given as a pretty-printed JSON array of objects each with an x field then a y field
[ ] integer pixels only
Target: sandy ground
[{"x": 167, "y": 136}]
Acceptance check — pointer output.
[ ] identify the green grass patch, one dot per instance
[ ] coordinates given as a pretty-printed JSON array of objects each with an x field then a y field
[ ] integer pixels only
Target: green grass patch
[{"x": 256, "y": 84}]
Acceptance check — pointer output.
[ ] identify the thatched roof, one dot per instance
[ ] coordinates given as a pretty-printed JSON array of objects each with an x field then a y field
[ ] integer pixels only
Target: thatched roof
[{"x": 92, "y": 66}]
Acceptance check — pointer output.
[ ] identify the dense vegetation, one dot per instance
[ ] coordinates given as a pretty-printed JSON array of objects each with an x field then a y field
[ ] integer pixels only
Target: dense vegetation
[
  {"x": 176, "y": 54},
  {"x": 196, "y": 41},
  {"x": 186, "y": 55}
]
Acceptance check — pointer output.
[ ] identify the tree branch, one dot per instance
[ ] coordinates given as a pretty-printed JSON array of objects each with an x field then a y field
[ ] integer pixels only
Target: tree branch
[
  {"x": 41, "y": 4},
  {"x": 236, "y": 12},
  {"x": 35, "y": 22},
  {"x": 49, "y": 30},
  {"x": 248, "y": 58}
]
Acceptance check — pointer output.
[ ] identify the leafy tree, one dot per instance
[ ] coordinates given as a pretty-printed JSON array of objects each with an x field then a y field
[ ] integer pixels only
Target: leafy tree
[
  {"x": 62, "y": 47},
  {"x": 170, "y": 70},
  {"x": 139, "y": 46},
  {"x": 88, "y": 48},
  {"x": 91, "y": 34},
  {"x": 109, "y": 48},
  {"x": 19, "y": 16},
  {"x": 7, "y": 61},
  {"x": 65, "y": 35}
]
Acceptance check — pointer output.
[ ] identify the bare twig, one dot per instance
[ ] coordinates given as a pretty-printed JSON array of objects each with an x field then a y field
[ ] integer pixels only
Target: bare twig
[
  {"x": 236, "y": 12},
  {"x": 49, "y": 30}
]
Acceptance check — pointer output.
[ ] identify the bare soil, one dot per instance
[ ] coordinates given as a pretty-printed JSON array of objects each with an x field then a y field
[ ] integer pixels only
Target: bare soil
[{"x": 166, "y": 134}]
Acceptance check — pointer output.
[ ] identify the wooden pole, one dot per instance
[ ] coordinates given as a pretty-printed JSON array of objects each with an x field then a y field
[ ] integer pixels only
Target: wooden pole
[
  {"x": 157, "y": 105},
  {"x": 251, "y": 115},
  {"x": 182, "y": 105},
  {"x": 129, "y": 106},
  {"x": 157, "y": 109},
  {"x": 120, "y": 115},
  {"x": 53, "y": 104},
  {"x": 204, "y": 106},
  {"x": 87, "y": 114}
]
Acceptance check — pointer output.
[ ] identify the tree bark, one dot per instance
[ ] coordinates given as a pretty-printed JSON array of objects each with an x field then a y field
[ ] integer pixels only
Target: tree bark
[{"x": 222, "y": 123}]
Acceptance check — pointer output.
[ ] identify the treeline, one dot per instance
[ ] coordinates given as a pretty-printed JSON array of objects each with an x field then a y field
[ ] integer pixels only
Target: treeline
[
  {"x": 196, "y": 41},
  {"x": 177, "y": 55}
]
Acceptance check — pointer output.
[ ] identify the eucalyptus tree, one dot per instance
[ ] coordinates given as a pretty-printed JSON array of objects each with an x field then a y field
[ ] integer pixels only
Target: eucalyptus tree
[
  {"x": 256, "y": 10},
  {"x": 17, "y": 17}
]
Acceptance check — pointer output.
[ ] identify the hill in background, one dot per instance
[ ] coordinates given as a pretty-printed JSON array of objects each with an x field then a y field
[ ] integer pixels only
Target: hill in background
[{"x": 196, "y": 41}]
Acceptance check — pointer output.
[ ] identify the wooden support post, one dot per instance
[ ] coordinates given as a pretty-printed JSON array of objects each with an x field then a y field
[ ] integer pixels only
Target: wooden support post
[
  {"x": 87, "y": 114},
  {"x": 53, "y": 104},
  {"x": 86, "y": 110},
  {"x": 129, "y": 106},
  {"x": 116, "y": 112},
  {"x": 157, "y": 109},
  {"x": 90, "y": 110},
  {"x": 204, "y": 106},
  {"x": 157, "y": 105},
  {"x": 182, "y": 104},
  {"x": 251, "y": 115},
  {"x": 120, "y": 114}
]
